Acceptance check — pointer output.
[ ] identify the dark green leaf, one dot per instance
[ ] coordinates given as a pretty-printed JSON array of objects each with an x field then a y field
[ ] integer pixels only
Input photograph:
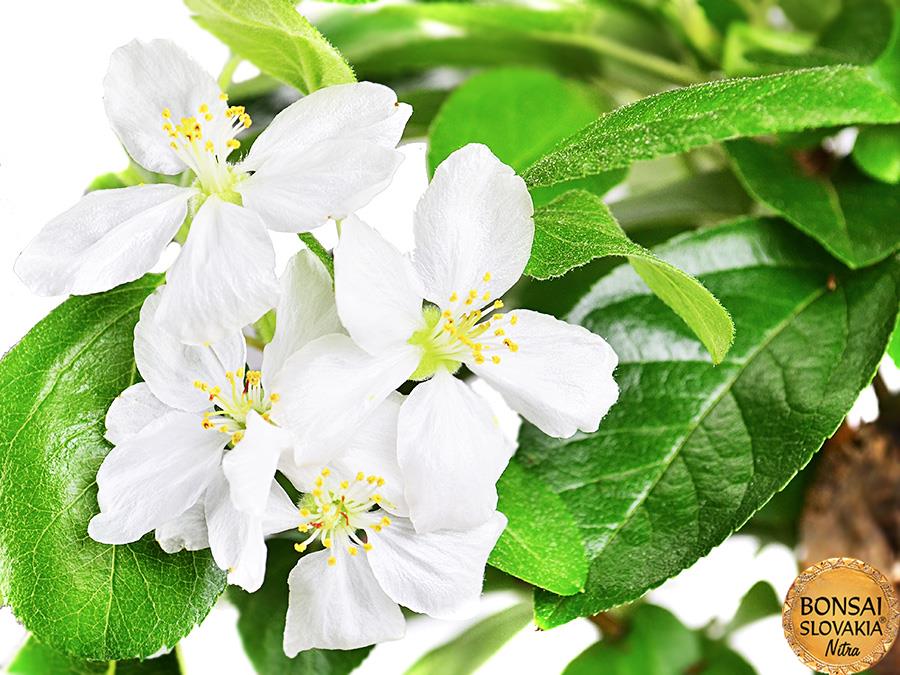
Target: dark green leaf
[
  {"x": 78, "y": 596},
  {"x": 37, "y": 659},
  {"x": 261, "y": 624},
  {"x": 541, "y": 543},
  {"x": 679, "y": 120},
  {"x": 690, "y": 452},
  {"x": 530, "y": 112},
  {"x": 758, "y": 603},
  {"x": 855, "y": 218},
  {"x": 720, "y": 659},
  {"x": 276, "y": 39},
  {"x": 466, "y": 652},
  {"x": 877, "y": 152},
  {"x": 578, "y": 227}
]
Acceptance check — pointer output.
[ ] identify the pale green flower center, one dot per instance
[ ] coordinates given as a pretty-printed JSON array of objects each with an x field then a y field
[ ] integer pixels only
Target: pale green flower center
[{"x": 229, "y": 415}]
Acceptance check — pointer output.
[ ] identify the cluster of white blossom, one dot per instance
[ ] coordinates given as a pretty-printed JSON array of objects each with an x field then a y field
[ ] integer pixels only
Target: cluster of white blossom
[{"x": 398, "y": 500}]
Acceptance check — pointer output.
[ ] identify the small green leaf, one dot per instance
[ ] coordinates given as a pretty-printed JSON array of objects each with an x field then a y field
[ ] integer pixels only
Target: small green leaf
[
  {"x": 465, "y": 653},
  {"x": 689, "y": 452},
  {"x": 36, "y": 658},
  {"x": 894, "y": 346},
  {"x": 877, "y": 152},
  {"x": 318, "y": 250},
  {"x": 682, "y": 119},
  {"x": 87, "y": 599},
  {"x": 855, "y": 218},
  {"x": 530, "y": 112},
  {"x": 656, "y": 643},
  {"x": 541, "y": 543},
  {"x": 273, "y": 36},
  {"x": 578, "y": 227},
  {"x": 758, "y": 603},
  {"x": 261, "y": 623}
]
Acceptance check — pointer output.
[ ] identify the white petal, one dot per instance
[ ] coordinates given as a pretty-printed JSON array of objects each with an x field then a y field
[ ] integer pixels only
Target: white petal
[
  {"x": 224, "y": 277},
  {"x": 106, "y": 239},
  {"x": 379, "y": 298},
  {"x": 373, "y": 450},
  {"x": 306, "y": 311},
  {"x": 438, "y": 573},
  {"x": 131, "y": 411},
  {"x": 281, "y": 513},
  {"x": 560, "y": 378},
  {"x": 452, "y": 453},
  {"x": 143, "y": 79},
  {"x": 337, "y": 606},
  {"x": 170, "y": 367},
  {"x": 250, "y": 466},
  {"x": 474, "y": 219},
  {"x": 329, "y": 388},
  {"x": 361, "y": 111},
  {"x": 235, "y": 537},
  {"x": 153, "y": 477},
  {"x": 186, "y": 532},
  {"x": 303, "y": 189}
]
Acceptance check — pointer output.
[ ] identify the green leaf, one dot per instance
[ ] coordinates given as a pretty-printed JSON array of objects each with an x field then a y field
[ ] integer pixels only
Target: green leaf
[
  {"x": 466, "y": 652},
  {"x": 541, "y": 543},
  {"x": 36, "y": 658},
  {"x": 894, "y": 346},
  {"x": 578, "y": 227},
  {"x": 318, "y": 250},
  {"x": 657, "y": 643},
  {"x": 690, "y": 452},
  {"x": 273, "y": 36},
  {"x": 78, "y": 596},
  {"x": 530, "y": 112},
  {"x": 855, "y": 218},
  {"x": 261, "y": 623},
  {"x": 758, "y": 603},
  {"x": 682, "y": 119},
  {"x": 877, "y": 152},
  {"x": 720, "y": 659}
]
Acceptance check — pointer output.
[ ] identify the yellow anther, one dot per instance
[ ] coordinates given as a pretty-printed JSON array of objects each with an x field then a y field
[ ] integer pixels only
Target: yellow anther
[
  {"x": 168, "y": 127},
  {"x": 377, "y": 528},
  {"x": 203, "y": 108},
  {"x": 266, "y": 416},
  {"x": 371, "y": 479},
  {"x": 385, "y": 521},
  {"x": 173, "y": 145},
  {"x": 208, "y": 117},
  {"x": 300, "y": 548},
  {"x": 206, "y": 424},
  {"x": 166, "y": 113},
  {"x": 499, "y": 332},
  {"x": 367, "y": 547},
  {"x": 317, "y": 492},
  {"x": 224, "y": 429},
  {"x": 360, "y": 476},
  {"x": 319, "y": 481},
  {"x": 473, "y": 293},
  {"x": 326, "y": 508},
  {"x": 376, "y": 498},
  {"x": 209, "y": 146},
  {"x": 254, "y": 377},
  {"x": 326, "y": 471},
  {"x": 223, "y": 96},
  {"x": 233, "y": 143},
  {"x": 303, "y": 527},
  {"x": 215, "y": 391},
  {"x": 345, "y": 484},
  {"x": 498, "y": 304},
  {"x": 327, "y": 542},
  {"x": 512, "y": 346},
  {"x": 237, "y": 437},
  {"x": 352, "y": 550},
  {"x": 380, "y": 481},
  {"x": 486, "y": 277},
  {"x": 332, "y": 561},
  {"x": 229, "y": 376},
  {"x": 454, "y": 297},
  {"x": 198, "y": 384},
  {"x": 513, "y": 319},
  {"x": 274, "y": 397},
  {"x": 486, "y": 297},
  {"x": 304, "y": 513},
  {"x": 240, "y": 373},
  {"x": 447, "y": 314},
  {"x": 495, "y": 359},
  {"x": 479, "y": 358},
  {"x": 246, "y": 121}
]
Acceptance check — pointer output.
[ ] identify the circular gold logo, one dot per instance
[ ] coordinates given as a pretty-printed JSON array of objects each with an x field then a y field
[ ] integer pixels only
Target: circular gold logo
[{"x": 841, "y": 616}]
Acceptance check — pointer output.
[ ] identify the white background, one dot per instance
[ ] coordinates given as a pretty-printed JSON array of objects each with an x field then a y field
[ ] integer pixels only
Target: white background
[{"x": 54, "y": 140}]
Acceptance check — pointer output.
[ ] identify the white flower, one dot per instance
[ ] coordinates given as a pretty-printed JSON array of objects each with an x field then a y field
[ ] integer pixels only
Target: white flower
[
  {"x": 347, "y": 594},
  {"x": 324, "y": 156},
  {"x": 195, "y": 452},
  {"x": 473, "y": 234}
]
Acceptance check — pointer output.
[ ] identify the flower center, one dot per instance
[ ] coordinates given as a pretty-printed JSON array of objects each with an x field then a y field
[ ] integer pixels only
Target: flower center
[
  {"x": 229, "y": 414},
  {"x": 342, "y": 514},
  {"x": 204, "y": 141},
  {"x": 459, "y": 330}
]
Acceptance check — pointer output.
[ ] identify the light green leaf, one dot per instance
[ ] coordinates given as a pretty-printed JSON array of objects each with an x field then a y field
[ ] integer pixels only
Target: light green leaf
[
  {"x": 37, "y": 659},
  {"x": 318, "y": 250},
  {"x": 530, "y": 112},
  {"x": 465, "y": 653},
  {"x": 877, "y": 152},
  {"x": 87, "y": 599},
  {"x": 541, "y": 543},
  {"x": 261, "y": 623},
  {"x": 682, "y": 119},
  {"x": 578, "y": 227},
  {"x": 690, "y": 452},
  {"x": 273, "y": 36},
  {"x": 758, "y": 603},
  {"x": 855, "y": 218},
  {"x": 894, "y": 346}
]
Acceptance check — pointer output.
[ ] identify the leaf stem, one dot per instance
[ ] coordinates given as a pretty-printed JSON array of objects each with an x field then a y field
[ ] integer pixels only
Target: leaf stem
[
  {"x": 227, "y": 73},
  {"x": 318, "y": 250}
]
